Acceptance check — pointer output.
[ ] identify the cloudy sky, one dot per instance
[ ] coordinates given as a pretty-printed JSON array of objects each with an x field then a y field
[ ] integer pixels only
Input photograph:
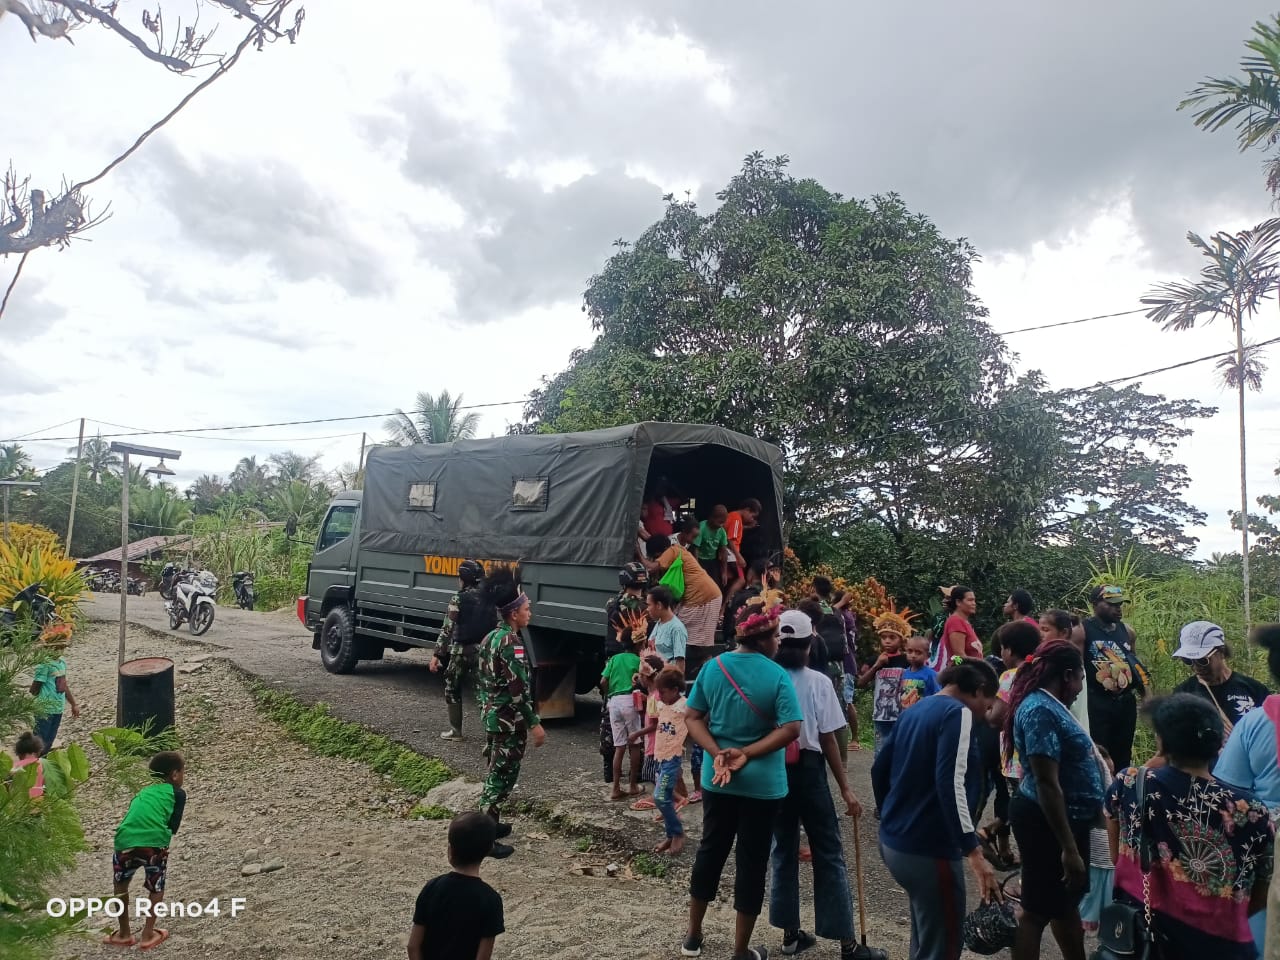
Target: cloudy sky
[{"x": 412, "y": 197}]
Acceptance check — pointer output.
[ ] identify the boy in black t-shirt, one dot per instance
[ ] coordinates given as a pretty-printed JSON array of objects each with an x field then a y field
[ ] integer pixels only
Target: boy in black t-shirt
[{"x": 458, "y": 916}]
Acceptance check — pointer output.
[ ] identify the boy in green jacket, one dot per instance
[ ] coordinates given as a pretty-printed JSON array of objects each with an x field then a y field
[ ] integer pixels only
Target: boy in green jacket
[{"x": 142, "y": 843}]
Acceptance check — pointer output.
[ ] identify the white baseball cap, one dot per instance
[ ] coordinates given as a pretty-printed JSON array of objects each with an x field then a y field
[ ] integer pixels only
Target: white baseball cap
[
  {"x": 794, "y": 625},
  {"x": 1198, "y": 639}
]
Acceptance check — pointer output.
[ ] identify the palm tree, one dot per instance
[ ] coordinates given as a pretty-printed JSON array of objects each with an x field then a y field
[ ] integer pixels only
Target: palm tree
[
  {"x": 298, "y": 503},
  {"x": 1250, "y": 102},
  {"x": 14, "y": 462},
  {"x": 98, "y": 458},
  {"x": 206, "y": 493},
  {"x": 249, "y": 478},
  {"x": 158, "y": 511},
  {"x": 1243, "y": 271},
  {"x": 432, "y": 420},
  {"x": 292, "y": 466}
]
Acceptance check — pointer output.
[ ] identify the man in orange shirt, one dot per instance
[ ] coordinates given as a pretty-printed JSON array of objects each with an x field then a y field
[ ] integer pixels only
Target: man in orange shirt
[{"x": 746, "y": 517}]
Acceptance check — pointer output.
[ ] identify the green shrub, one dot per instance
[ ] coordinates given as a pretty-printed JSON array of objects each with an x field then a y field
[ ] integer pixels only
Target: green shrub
[
  {"x": 430, "y": 812},
  {"x": 331, "y": 737}
]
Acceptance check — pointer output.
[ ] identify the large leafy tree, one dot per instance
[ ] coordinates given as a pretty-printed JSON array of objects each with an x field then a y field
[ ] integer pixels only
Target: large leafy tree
[
  {"x": 433, "y": 419},
  {"x": 97, "y": 526},
  {"x": 846, "y": 331}
]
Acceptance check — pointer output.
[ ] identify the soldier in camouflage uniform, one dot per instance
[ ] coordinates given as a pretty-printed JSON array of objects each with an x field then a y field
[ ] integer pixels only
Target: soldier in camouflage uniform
[
  {"x": 634, "y": 579},
  {"x": 508, "y": 715},
  {"x": 469, "y": 620}
]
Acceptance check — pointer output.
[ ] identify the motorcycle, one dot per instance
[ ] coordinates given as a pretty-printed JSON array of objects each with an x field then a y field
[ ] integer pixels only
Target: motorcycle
[
  {"x": 190, "y": 600},
  {"x": 31, "y": 604},
  {"x": 242, "y": 583}
]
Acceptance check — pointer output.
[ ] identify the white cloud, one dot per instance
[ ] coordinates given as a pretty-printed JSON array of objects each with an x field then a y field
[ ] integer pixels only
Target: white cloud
[{"x": 415, "y": 202}]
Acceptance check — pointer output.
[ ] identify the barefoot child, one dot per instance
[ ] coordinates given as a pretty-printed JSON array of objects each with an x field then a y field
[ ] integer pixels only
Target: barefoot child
[
  {"x": 142, "y": 843},
  {"x": 624, "y": 719},
  {"x": 457, "y": 915},
  {"x": 668, "y": 751},
  {"x": 919, "y": 680}
]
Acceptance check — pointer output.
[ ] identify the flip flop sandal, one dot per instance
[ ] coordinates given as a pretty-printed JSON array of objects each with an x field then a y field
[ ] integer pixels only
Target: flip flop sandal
[
  {"x": 123, "y": 944},
  {"x": 164, "y": 935},
  {"x": 645, "y": 804}
]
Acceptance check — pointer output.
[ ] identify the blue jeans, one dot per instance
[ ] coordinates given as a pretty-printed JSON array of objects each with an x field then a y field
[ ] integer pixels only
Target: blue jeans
[
  {"x": 695, "y": 768},
  {"x": 664, "y": 796},
  {"x": 883, "y": 729},
  {"x": 808, "y": 804},
  {"x": 47, "y": 729}
]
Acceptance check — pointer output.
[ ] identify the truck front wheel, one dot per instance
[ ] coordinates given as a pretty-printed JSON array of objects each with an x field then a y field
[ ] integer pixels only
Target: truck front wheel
[{"x": 338, "y": 641}]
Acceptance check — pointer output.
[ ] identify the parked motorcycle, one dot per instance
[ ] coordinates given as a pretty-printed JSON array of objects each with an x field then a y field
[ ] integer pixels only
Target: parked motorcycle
[
  {"x": 242, "y": 583},
  {"x": 190, "y": 600},
  {"x": 31, "y": 604}
]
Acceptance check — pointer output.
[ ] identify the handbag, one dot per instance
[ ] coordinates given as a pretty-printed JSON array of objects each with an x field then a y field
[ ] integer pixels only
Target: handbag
[
  {"x": 791, "y": 753},
  {"x": 1126, "y": 932},
  {"x": 673, "y": 579},
  {"x": 993, "y": 926}
]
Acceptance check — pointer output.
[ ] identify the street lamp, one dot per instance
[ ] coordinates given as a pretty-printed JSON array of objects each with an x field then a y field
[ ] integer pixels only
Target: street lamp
[
  {"x": 125, "y": 449},
  {"x": 8, "y": 485}
]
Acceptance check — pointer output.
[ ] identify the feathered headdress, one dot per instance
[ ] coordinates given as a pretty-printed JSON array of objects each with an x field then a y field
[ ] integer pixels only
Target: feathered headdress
[
  {"x": 636, "y": 623},
  {"x": 895, "y": 621}
]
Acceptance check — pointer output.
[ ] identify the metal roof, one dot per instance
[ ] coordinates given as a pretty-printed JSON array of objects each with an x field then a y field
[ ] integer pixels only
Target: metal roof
[{"x": 141, "y": 548}]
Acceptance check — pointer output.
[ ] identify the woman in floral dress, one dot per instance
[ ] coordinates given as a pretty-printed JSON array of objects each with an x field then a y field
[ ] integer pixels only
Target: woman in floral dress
[{"x": 1213, "y": 847}]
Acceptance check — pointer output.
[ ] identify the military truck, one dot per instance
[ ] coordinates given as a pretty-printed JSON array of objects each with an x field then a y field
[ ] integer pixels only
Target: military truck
[{"x": 566, "y": 507}]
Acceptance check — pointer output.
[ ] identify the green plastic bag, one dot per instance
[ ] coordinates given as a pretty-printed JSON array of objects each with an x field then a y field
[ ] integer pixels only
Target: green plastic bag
[{"x": 673, "y": 579}]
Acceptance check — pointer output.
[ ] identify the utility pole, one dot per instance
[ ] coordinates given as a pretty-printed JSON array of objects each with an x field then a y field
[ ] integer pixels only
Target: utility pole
[
  {"x": 75, "y": 487},
  {"x": 124, "y": 449},
  {"x": 360, "y": 469}
]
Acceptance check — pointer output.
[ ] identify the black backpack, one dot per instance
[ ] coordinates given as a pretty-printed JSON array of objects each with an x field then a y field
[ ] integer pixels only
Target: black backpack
[
  {"x": 831, "y": 629},
  {"x": 476, "y": 618}
]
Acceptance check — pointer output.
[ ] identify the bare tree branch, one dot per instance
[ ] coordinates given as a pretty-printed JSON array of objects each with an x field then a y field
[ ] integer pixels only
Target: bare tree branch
[
  {"x": 107, "y": 20},
  {"x": 14, "y": 282},
  {"x": 31, "y": 222}
]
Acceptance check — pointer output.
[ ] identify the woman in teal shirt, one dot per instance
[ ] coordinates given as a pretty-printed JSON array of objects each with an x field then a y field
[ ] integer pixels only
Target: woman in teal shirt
[{"x": 743, "y": 711}]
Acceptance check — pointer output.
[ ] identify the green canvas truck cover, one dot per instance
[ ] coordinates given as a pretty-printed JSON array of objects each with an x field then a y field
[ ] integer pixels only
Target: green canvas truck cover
[{"x": 550, "y": 498}]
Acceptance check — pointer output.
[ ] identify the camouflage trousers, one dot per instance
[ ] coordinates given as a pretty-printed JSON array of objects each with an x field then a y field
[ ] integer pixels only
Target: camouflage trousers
[
  {"x": 462, "y": 668},
  {"x": 504, "y": 751}
]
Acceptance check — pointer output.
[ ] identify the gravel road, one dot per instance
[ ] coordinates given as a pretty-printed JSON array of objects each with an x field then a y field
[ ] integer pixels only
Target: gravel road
[{"x": 400, "y": 698}]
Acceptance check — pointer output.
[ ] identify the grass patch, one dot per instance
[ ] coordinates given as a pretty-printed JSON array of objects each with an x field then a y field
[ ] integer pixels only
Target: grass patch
[
  {"x": 430, "y": 812},
  {"x": 583, "y": 844},
  {"x": 331, "y": 737},
  {"x": 648, "y": 865}
]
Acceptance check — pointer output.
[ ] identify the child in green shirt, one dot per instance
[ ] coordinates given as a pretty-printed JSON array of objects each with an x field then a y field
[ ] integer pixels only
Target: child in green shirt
[
  {"x": 712, "y": 545},
  {"x": 142, "y": 843},
  {"x": 615, "y": 684}
]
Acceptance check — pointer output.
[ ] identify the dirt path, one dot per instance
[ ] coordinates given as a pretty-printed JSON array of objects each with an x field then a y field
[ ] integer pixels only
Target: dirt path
[
  {"x": 322, "y": 804},
  {"x": 352, "y": 863}
]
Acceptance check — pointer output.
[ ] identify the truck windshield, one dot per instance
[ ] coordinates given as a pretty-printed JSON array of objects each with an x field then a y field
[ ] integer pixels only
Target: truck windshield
[{"x": 337, "y": 527}]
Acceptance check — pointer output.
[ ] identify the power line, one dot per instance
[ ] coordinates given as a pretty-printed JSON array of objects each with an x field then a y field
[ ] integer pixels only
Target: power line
[
  {"x": 183, "y": 431},
  {"x": 1068, "y": 323},
  {"x": 139, "y": 431},
  {"x": 188, "y": 431}
]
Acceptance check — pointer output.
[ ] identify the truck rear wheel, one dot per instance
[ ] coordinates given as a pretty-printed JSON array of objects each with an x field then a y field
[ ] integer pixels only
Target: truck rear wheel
[{"x": 338, "y": 641}]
